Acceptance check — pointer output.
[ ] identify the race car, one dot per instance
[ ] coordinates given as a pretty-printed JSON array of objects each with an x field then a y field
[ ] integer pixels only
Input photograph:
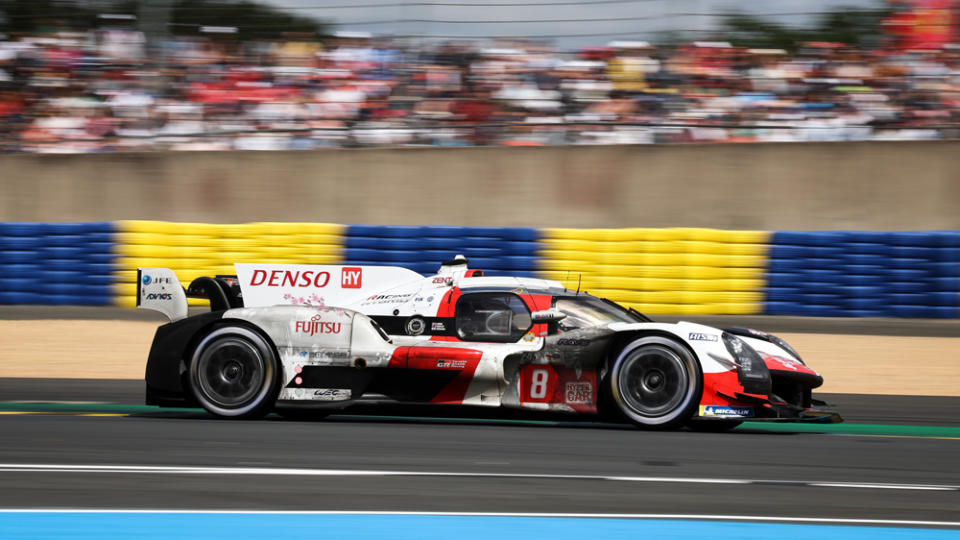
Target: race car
[{"x": 322, "y": 337}]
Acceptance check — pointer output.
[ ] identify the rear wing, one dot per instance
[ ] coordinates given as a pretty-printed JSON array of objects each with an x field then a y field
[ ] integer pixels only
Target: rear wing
[{"x": 160, "y": 290}]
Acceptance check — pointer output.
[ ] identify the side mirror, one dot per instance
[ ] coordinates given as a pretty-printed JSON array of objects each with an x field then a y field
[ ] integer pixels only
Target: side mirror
[{"x": 548, "y": 316}]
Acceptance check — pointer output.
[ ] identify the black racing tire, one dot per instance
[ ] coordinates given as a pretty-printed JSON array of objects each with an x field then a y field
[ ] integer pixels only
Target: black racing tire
[
  {"x": 234, "y": 373},
  {"x": 713, "y": 426},
  {"x": 655, "y": 383}
]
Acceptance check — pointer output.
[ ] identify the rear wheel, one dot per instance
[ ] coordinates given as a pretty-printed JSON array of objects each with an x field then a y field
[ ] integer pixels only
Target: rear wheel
[
  {"x": 655, "y": 382},
  {"x": 234, "y": 373}
]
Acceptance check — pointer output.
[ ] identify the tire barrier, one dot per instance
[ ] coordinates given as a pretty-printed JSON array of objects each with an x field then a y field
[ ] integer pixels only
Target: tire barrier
[
  {"x": 202, "y": 249},
  {"x": 864, "y": 274},
  {"x": 56, "y": 263},
  {"x": 659, "y": 271},
  {"x": 496, "y": 250},
  {"x": 662, "y": 271}
]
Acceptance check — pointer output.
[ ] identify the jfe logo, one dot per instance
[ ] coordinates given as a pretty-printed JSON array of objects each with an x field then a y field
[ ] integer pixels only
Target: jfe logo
[{"x": 351, "y": 277}]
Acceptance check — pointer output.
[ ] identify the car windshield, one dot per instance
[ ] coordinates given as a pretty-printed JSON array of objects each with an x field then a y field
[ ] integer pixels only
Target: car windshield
[
  {"x": 495, "y": 317},
  {"x": 587, "y": 311}
]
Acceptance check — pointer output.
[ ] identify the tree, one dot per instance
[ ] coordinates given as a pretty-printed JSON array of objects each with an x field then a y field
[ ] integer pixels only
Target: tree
[
  {"x": 854, "y": 27},
  {"x": 186, "y": 17},
  {"x": 252, "y": 20}
]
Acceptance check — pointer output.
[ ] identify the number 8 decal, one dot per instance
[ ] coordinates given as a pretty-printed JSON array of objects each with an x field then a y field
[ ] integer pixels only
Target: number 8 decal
[{"x": 538, "y": 383}]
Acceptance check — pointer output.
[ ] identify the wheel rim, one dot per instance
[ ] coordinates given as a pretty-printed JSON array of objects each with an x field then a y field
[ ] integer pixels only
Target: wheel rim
[
  {"x": 231, "y": 372},
  {"x": 654, "y": 380}
]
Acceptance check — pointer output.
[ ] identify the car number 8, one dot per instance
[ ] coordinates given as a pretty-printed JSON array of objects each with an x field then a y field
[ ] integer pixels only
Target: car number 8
[{"x": 538, "y": 383}]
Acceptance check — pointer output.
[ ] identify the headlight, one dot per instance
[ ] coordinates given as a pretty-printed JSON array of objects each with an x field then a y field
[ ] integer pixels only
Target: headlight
[
  {"x": 757, "y": 334},
  {"x": 786, "y": 346},
  {"x": 751, "y": 369}
]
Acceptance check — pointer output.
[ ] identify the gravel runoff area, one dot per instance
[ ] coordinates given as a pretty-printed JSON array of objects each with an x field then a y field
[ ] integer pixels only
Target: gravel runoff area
[{"x": 895, "y": 357}]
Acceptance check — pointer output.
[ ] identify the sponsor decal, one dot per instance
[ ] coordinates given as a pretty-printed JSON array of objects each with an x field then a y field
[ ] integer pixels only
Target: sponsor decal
[
  {"x": 443, "y": 280},
  {"x": 324, "y": 354},
  {"x": 415, "y": 326},
  {"x": 438, "y": 327},
  {"x": 452, "y": 364},
  {"x": 573, "y": 342},
  {"x": 148, "y": 279},
  {"x": 726, "y": 410},
  {"x": 316, "y": 326},
  {"x": 697, "y": 336},
  {"x": 290, "y": 278},
  {"x": 387, "y": 299},
  {"x": 351, "y": 277},
  {"x": 316, "y": 394},
  {"x": 160, "y": 296},
  {"x": 578, "y": 392},
  {"x": 529, "y": 337},
  {"x": 331, "y": 394}
]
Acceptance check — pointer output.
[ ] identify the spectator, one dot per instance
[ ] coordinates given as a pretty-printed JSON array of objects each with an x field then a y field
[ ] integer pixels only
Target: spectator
[{"x": 101, "y": 91}]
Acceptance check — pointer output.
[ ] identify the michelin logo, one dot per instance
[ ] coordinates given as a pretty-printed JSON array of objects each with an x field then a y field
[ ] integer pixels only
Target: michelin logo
[{"x": 726, "y": 410}]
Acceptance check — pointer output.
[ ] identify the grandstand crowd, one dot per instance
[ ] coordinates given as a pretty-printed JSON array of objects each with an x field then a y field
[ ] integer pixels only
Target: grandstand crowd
[{"x": 105, "y": 91}]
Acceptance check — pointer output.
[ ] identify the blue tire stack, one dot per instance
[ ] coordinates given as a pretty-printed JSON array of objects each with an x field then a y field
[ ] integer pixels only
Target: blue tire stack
[
  {"x": 864, "y": 274},
  {"x": 56, "y": 263},
  {"x": 495, "y": 250}
]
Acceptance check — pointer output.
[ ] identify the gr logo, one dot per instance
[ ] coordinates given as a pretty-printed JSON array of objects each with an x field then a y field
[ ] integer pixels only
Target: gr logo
[{"x": 351, "y": 277}]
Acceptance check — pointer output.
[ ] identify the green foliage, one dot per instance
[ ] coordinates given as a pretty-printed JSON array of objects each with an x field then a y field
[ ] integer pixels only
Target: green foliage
[
  {"x": 253, "y": 20},
  {"x": 186, "y": 17},
  {"x": 855, "y": 27},
  {"x": 23, "y": 16}
]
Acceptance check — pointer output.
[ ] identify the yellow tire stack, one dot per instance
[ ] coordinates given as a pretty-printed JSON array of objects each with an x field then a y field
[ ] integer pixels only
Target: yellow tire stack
[
  {"x": 678, "y": 271},
  {"x": 203, "y": 249}
]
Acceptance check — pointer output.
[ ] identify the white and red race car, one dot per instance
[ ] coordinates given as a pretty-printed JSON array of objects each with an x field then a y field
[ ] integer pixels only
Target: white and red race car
[{"x": 326, "y": 337}]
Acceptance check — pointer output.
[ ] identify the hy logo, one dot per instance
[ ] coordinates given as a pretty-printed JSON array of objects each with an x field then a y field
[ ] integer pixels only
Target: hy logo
[{"x": 351, "y": 277}]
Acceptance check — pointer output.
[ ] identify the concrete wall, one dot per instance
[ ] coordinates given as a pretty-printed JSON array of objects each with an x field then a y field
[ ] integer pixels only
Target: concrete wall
[{"x": 869, "y": 186}]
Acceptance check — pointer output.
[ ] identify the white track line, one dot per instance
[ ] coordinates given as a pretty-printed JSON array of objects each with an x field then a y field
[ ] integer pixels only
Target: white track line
[
  {"x": 882, "y": 486},
  {"x": 706, "y": 517},
  {"x": 276, "y": 471}
]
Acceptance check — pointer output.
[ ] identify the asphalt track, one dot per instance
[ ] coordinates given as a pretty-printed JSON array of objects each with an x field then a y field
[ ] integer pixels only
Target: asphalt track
[
  {"x": 895, "y": 459},
  {"x": 90, "y": 445}
]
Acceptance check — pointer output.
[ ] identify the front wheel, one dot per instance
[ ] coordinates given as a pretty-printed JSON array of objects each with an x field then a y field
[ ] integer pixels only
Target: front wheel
[
  {"x": 234, "y": 373},
  {"x": 655, "y": 382}
]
